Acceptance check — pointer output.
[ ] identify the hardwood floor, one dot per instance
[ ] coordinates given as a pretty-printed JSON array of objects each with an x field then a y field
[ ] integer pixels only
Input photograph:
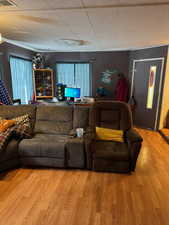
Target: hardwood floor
[{"x": 65, "y": 197}]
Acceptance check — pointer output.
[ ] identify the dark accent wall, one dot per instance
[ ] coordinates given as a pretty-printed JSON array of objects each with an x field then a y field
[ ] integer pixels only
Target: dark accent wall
[
  {"x": 100, "y": 61},
  {"x": 7, "y": 50},
  {"x": 156, "y": 52}
]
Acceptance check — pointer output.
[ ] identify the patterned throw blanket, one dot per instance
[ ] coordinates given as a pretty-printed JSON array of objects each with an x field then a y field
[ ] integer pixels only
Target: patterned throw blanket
[
  {"x": 21, "y": 129},
  {"x": 4, "y": 95},
  {"x": 5, "y": 137}
]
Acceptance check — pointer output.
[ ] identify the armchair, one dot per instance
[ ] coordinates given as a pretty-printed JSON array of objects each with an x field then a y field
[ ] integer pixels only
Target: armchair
[{"x": 109, "y": 155}]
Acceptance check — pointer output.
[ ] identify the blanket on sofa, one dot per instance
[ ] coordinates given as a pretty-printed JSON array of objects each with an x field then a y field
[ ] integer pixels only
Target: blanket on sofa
[
  {"x": 5, "y": 137},
  {"x": 21, "y": 129}
]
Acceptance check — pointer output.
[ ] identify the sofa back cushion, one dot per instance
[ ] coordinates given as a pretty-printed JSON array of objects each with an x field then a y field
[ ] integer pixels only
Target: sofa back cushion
[
  {"x": 13, "y": 111},
  {"x": 112, "y": 114},
  {"x": 54, "y": 119},
  {"x": 81, "y": 117}
]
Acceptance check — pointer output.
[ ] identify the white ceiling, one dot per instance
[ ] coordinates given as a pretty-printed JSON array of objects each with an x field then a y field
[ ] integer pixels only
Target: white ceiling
[{"x": 104, "y": 25}]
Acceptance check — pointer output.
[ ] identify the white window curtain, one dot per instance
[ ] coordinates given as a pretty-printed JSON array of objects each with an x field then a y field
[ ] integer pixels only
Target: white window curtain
[
  {"x": 82, "y": 78},
  {"x": 74, "y": 75},
  {"x": 65, "y": 74},
  {"x": 22, "y": 84}
]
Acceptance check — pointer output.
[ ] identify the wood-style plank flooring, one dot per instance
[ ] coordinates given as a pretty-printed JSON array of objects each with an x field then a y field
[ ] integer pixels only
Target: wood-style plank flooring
[{"x": 74, "y": 197}]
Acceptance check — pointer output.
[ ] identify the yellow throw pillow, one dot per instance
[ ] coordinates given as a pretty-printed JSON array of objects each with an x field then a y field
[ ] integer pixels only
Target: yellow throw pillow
[
  {"x": 106, "y": 134},
  {"x": 5, "y": 124}
]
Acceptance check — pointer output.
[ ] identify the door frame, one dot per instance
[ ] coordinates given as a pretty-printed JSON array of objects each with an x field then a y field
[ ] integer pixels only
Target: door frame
[{"x": 160, "y": 84}]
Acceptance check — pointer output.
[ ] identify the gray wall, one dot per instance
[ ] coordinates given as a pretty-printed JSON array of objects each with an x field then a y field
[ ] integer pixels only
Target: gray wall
[
  {"x": 7, "y": 50},
  {"x": 100, "y": 62}
]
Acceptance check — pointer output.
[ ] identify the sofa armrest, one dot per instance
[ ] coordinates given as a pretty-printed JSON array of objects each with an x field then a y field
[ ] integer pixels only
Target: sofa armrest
[
  {"x": 75, "y": 154},
  {"x": 133, "y": 136},
  {"x": 88, "y": 133},
  {"x": 88, "y": 137},
  {"x": 134, "y": 141}
]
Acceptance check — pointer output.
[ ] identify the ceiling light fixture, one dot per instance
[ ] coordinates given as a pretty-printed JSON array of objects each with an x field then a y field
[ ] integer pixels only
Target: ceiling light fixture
[
  {"x": 6, "y": 3},
  {"x": 72, "y": 42},
  {"x": 0, "y": 38}
]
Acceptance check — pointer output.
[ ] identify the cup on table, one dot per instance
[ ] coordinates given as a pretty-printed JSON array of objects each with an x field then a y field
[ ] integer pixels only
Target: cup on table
[{"x": 79, "y": 132}]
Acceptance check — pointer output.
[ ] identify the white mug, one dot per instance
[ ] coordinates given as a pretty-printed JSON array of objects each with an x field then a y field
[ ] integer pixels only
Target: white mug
[{"x": 79, "y": 132}]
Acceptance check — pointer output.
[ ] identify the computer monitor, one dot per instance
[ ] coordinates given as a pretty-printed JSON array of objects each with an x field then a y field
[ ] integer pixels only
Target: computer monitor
[{"x": 72, "y": 93}]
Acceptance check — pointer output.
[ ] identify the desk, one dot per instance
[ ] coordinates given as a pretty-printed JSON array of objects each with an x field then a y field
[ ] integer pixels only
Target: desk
[{"x": 64, "y": 103}]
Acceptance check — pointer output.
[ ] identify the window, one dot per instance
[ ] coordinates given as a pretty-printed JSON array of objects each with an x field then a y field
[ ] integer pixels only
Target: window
[
  {"x": 151, "y": 86},
  {"x": 22, "y": 84},
  {"x": 74, "y": 75}
]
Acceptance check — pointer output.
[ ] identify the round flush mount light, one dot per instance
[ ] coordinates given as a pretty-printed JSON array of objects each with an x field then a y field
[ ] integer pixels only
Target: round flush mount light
[
  {"x": 72, "y": 42},
  {"x": 1, "y": 38}
]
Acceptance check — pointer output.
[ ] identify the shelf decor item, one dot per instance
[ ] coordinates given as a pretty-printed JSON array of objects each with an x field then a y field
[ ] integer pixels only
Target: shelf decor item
[
  {"x": 60, "y": 91},
  {"x": 38, "y": 61},
  {"x": 43, "y": 83}
]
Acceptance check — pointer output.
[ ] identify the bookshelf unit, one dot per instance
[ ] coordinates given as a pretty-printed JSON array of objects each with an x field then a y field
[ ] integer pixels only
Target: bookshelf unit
[{"x": 43, "y": 83}]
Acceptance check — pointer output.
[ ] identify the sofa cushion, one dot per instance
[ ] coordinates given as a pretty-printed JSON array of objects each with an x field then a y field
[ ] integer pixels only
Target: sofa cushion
[
  {"x": 81, "y": 117},
  {"x": 49, "y": 127},
  {"x": 54, "y": 119},
  {"x": 43, "y": 145},
  {"x": 111, "y": 150},
  {"x": 12, "y": 111},
  {"x": 54, "y": 113},
  {"x": 112, "y": 114}
]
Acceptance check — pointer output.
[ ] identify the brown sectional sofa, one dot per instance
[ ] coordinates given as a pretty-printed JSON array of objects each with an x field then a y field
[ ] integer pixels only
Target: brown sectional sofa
[{"x": 54, "y": 144}]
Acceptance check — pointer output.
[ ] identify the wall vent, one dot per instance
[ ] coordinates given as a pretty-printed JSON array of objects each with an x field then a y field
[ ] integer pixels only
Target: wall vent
[{"x": 7, "y": 3}]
